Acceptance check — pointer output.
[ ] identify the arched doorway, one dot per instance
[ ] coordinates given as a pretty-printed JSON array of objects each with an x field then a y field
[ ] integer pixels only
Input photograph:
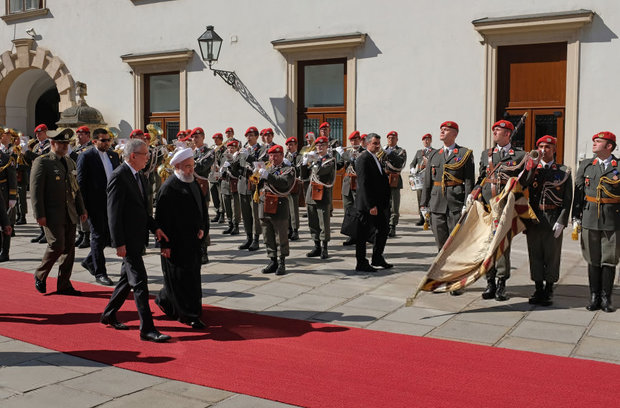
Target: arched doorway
[{"x": 46, "y": 108}]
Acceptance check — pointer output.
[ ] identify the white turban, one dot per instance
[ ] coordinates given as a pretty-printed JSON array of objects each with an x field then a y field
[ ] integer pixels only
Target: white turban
[{"x": 180, "y": 155}]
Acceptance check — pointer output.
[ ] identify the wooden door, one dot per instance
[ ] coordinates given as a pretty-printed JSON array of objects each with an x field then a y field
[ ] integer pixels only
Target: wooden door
[{"x": 539, "y": 122}]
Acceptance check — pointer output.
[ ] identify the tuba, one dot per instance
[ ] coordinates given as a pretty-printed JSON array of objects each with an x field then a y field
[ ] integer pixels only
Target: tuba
[{"x": 156, "y": 134}]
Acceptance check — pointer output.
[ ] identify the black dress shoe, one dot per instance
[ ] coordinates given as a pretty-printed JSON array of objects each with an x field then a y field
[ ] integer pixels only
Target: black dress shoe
[
  {"x": 87, "y": 267},
  {"x": 114, "y": 323},
  {"x": 365, "y": 268},
  {"x": 40, "y": 285},
  {"x": 4, "y": 257},
  {"x": 197, "y": 324},
  {"x": 457, "y": 292},
  {"x": 37, "y": 238},
  {"x": 155, "y": 336},
  {"x": 420, "y": 222},
  {"x": 104, "y": 280},
  {"x": 21, "y": 221},
  {"x": 349, "y": 241},
  {"x": 382, "y": 264},
  {"x": 70, "y": 291},
  {"x": 43, "y": 240}
]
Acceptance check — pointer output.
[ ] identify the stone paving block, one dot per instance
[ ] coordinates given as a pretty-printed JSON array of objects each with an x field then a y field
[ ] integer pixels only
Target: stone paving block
[
  {"x": 496, "y": 316},
  {"x": 33, "y": 374},
  {"x": 443, "y": 301},
  {"x": 561, "y": 316},
  {"x": 280, "y": 289},
  {"x": 6, "y": 392},
  {"x": 246, "y": 401},
  {"x": 400, "y": 327},
  {"x": 193, "y": 391},
  {"x": 250, "y": 303},
  {"x": 420, "y": 315},
  {"x": 311, "y": 279},
  {"x": 549, "y": 331},
  {"x": 372, "y": 302},
  {"x": 299, "y": 314},
  {"x": 396, "y": 290},
  {"x": 313, "y": 302},
  {"x": 538, "y": 346},
  {"x": 470, "y": 332},
  {"x": 151, "y": 398},
  {"x": 3, "y": 339},
  {"x": 607, "y": 317},
  {"x": 340, "y": 288},
  {"x": 15, "y": 352},
  {"x": 607, "y": 330},
  {"x": 113, "y": 381},
  {"x": 73, "y": 363},
  {"x": 349, "y": 316},
  {"x": 225, "y": 288},
  {"x": 56, "y": 396},
  {"x": 598, "y": 348}
]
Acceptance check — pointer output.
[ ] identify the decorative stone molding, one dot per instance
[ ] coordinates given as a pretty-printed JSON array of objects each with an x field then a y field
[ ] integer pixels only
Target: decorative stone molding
[{"x": 16, "y": 17}]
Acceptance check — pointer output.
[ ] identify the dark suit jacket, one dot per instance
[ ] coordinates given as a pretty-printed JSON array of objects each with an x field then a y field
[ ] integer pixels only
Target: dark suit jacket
[
  {"x": 93, "y": 182},
  {"x": 128, "y": 218},
  {"x": 373, "y": 187}
]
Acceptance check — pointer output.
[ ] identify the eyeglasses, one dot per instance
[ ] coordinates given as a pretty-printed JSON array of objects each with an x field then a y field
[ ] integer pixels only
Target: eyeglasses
[
  {"x": 145, "y": 153},
  {"x": 104, "y": 140}
]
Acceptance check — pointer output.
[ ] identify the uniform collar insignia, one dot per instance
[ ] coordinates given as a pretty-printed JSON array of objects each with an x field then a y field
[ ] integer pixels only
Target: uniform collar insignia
[
  {"x": 511, "y": 152},
  {"x": 495, "y": 150},
  {"x": 540, "y": 166},
  {"x": 441, "y": 151},
  {"x": 595, "y": 161},
  {"x": 614, "y": 163}
]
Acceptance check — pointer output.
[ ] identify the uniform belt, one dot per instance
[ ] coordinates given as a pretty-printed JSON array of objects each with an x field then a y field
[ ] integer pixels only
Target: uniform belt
[
  {"x": 591, "y": 199},
  {"x": 496, "y": 181},
  {"x": 2, "y": 181},
  {"x": 545, "y": 207},
  {"x": 447, "y": 183}
]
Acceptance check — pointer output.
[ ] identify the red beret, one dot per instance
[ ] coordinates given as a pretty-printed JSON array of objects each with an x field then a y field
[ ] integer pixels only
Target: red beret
[
  {"x": 84, "y": 129},
  {"x": 354, "y": 134},
  {"x": 232, "y": 143},
  {"x": 452, "y": 125},
  {"x": 251, "y": 129},
  {"x": 310, "y": 134},
  {"x": 269, "y": 131},
  {"x": 393, "y": 132},
  {"x": 324, "y": 124},
  {"x": 605, "y": 135},
  {"x": 215, "y": 136},
  {"x": 181, "y": 134},
  {"x": 504, "y": 124},
  {"x": 275, "y": 149},
  {"x": 229, "y": 130},
  {"x": 546, "y": 139},
  {"x": 363, "y": 135},
  {"x": 197, "y": 130},
  {"x": 427, "y": 136},
  {"x": 41, "y": 128},
  {"x": 321, "y": 139},
  {"x": 136, "y": 132},
  {"x": 291, "y": 139}
]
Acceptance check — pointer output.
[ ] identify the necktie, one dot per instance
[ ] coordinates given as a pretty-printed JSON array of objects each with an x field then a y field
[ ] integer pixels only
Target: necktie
[
  {"x": 502, "y": 153},
  {"x": 64, "y": 163},
  {"x": 546, "y": 167},
  {"x": 139, "y": 184}
]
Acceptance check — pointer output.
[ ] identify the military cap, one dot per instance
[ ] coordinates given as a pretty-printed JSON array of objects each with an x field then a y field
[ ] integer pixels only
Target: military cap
[
  {"x": 504, "y": 124},
  {"x": 181, "y": 134},
  {"x": 41, "y": 128},
  {"x": 232, "y": 143},
  {"x": 393, "y": 132},
  {"x": 251, "y": 129},
  {"x": 136, "y": 133},
  {"x": 291, "y": 139},
  {"x": 63, "y": 136},
  {"x": 216, "y": 135},
  {"x": 229, "y": 129},
  {"x": 427, "y": 136},
  {"x": 546, "y": 139},
  {"x": 275, "y": 149},
  {"x": 82, "y": 129},
  {"x": 354, "y": 134},
  {"x": 605, "y": 135},
  {"x": 450, "y": 124},
  {"x": 197, "y": 130},
  {"x": 321, "y": 139},
  {"x": 324, "y": 124},
  {"x": 269, "y": 131}
]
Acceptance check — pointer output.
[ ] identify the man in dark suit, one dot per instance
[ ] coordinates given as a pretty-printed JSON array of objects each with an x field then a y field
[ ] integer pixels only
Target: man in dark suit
[
  {"x": 373, "y": 202},
  {"x": 129, "y": 222},
  {"x": 95, "y": 167}
]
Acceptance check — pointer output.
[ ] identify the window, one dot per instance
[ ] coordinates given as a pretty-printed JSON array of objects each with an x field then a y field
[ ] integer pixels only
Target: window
[
  {"x": 21, "y": 6},
  {"x": 162, "y": 102}
]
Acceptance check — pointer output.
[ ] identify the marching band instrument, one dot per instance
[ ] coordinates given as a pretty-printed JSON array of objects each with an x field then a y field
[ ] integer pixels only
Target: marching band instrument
[{"x": 156, "y": 134}]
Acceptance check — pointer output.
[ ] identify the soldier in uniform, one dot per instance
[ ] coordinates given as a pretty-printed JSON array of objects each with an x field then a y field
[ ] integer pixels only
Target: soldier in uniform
[
  {"x": 268, "y": 144},
  {"x": 84, "y": 143},
  {"x": 596, "y": 209},
  {"x": 228, "y": 183},
  {"x": 551, "y": 196},
  {"x": 497, "y": 165},
  {"x": 57, "y": 205},
  {"x": 243, "y": 168},
  {"x": 416, "y": 169},
  {"x": 8, "y": 186},
  {"x": 22, "y": 169},
  {"x": 204, "y": 157},
  {"x": 293, "y": 158},
  {"x": 275, "y": 186},
  {"x": 349, "y": 180},
  {"x": 230, "y": 135},
  {"x": 321, "y": 166},
  {"x": 448, "y": 179},
  {"x": 394, "y": 161},
  {"x": 40, "y": 148},
  {"x": 310, "y": 137},
  {"x": 214, "y": 179}
]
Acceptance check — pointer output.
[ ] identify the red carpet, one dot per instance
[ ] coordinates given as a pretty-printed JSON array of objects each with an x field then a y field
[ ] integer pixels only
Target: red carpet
[{"x": 304, "y": 363}]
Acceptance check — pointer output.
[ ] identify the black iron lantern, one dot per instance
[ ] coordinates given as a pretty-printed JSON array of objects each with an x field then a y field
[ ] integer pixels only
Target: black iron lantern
[{"x": 210, "y": 44}]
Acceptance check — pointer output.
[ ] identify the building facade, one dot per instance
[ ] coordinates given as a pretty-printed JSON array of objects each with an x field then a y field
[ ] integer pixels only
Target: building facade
[{"x": 361, "y": 65}]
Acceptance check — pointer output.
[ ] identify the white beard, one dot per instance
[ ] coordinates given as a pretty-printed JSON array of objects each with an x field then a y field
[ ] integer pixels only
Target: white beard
[{"x": 183, "y": 177}]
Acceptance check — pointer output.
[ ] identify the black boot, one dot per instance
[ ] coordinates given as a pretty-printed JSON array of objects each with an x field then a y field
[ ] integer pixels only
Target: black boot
[
  {"x": 247, "y": 242},
  {"x": 489, "y": 292},
  {"x": 420, "y": 221},
  {"x": 324, "y": 253},
  {"x": 281, "y": 267},
  {"x": 608, "y": 277},
  {"x": 222, "y": 219},
  {"x": 235, "y": 230},
  {"x": 392, "y": 232},
  {"x": 216, "y": 218},
  {"x": 254, "y": 245},
  {"x": 79, "y": 239},
  {"x": 290, "y": 232},
  {"x": 316, "y": 251},
  {"x": 547, "y": 299},
  {"x": 594, "y": 279},
  {"x": 86, "y": 241},
  {"x": 229, "y": 229},
  {"x": 295, "y": 235},
  {"x": 21, "y": 220},
  {"x": 349, "y": 241},
  {"x": 6, "y": 245},
  {"x": 500, "y": 293},
  {"x": 538, "y": 295},
  {"x": 271, "y": 266}
]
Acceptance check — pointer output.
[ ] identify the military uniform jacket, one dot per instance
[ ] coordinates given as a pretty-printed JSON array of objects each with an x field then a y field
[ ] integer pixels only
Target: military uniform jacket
[
  {"x": 8, "y": 178},
  {"x": 55, "y": 191},
  {"x": 394, "y": 162},
  {"x": 447, "y": 182},
  {"x": 279, "y": 182},
  {"x": 39, "y": 149},
  {"x": 349, "y": 157},
  {"x": 204, "y": 157},
  {"x": 323, "y": 171},
  {"x": 551, "y": 194},
  {"x": 214, "y": 171},
  {"x": 417, "y": 164},
  {"x": 510, "y": 166},
  {"x": 597, "y": 195},
  {"x": 228, "y": 176},
  {"x": 80, "y": 149},
  {"x": 243, "y": 167}
]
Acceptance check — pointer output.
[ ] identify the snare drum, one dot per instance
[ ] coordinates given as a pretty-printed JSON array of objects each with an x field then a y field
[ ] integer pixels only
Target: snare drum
[{"x": 417, "y": 181}]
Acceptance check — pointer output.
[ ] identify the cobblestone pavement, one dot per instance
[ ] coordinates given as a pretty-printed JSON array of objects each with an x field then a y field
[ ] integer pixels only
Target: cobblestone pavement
[{"x": 327, "y": 291}]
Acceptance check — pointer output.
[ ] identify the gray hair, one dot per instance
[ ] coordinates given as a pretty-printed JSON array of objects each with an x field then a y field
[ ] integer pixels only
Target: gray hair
[
  {"x": 371, "y": 136},
  {"x": 131, "y": 147}
]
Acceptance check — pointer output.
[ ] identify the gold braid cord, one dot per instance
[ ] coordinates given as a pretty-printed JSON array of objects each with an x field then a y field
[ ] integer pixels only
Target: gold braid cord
[
  {"x": 453, "y": 166},
  {"x": 602, "y": 189},
  {"x": 7, "y": 164}
]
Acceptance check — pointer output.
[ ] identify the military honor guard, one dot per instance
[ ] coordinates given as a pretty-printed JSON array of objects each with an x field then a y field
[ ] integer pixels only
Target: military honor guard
[
  {"x": 204, "y": 158},
  {"x": 497, "y": 165},
  {"x": 347, "y": 159},
  {"x": 596, "y": 209},
  {"x": 416, "y": 171},
  {"x": 58, "y": 206},
  {"x": 8, "y": 186},
  {"x": 394, "y": 160},
  {"x": 214, "y": 179},
  {"x": 276, "y": 181},
  {"x": 41, "y": 147},
  {"x": 321, "y": 167},
  {"x": 293, "y": 158},
  {"x": 310, "y": 137},
  {"x": 550, "y": 196},
  {"x": 83, "y": 143},
  {"x": 229, "y": 185},
  {"x": 22, "y": 170}
]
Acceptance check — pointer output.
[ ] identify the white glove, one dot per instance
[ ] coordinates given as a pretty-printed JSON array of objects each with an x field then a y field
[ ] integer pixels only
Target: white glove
[
  {"x": 244, "y": 153},
  {"x": 264, "y": 173},
  {"x": 12, "y": 203},
  {"x": 576, "y": 223},
  {"x": 557, "y": 229},
  {"x": 470, "y": 199},
  {"x": 226, "y": 164},
  {"x": 464, "y": 209},
  {"x": 340, "y": 150},
  {"x": 424, "y": 211},
  {"x": 287, "y": 162},
  {"x": 304, "y": 160},
  {"x": 259, "y": 165},
  {"x": 388, "y": 150},
  {"x": 235, "y": 155}
]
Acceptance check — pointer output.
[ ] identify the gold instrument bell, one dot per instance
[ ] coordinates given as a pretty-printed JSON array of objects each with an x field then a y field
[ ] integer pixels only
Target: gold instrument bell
[{"x": 156, "y": 133}]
